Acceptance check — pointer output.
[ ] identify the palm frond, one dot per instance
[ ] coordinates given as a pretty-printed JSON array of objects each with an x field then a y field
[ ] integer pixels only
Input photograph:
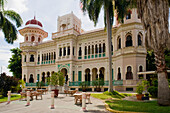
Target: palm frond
[
  {"x": 1, "y": 20},
  {"x": 9, "y": 31},
  {"x": 14, "y": 17},
  {"x": 2, "y": 4}
]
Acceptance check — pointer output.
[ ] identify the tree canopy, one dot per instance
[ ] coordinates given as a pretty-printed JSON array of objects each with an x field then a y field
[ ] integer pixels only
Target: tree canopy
[{"x": 15, "y": 63}]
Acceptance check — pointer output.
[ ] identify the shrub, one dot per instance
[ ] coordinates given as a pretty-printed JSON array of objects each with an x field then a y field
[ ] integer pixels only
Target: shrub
[
  {"x": 153, "y": 91},
  {"x": 7, "y": 83}
]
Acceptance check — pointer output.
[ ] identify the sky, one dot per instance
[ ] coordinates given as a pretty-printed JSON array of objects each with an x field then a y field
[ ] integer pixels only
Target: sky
[{"x": 47, "y": 12}]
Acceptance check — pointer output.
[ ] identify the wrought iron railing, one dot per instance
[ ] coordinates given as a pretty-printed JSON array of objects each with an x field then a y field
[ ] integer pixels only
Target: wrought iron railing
[
  {"x": 90, "y": 83},
  {"x": 35, "y": 84}
]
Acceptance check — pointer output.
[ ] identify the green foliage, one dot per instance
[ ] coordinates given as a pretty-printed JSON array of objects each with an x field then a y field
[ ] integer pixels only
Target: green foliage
[
  {"x": 141, "y": 86},
  {"x": 20, "y": 83},
  {"x": 98, "y": 83},
  {"x": 15, "y": 63},
  {"x": 153, "y": 90},
  {"x": 84, "y": 85},
  {"x": 150, "y": 61},
  {"x": 114, "y": 94},
  {"x": 57, "y": 78},
  {"x": 7, "y": 27},
  {"x": 60, "y": 78},
  {"x": 6, "y": 83}
]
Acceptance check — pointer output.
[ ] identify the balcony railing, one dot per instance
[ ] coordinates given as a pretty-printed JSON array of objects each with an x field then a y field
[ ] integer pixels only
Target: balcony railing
[
  {"x": 35, "y": 84},
  {"x": 90, "y": 83}
]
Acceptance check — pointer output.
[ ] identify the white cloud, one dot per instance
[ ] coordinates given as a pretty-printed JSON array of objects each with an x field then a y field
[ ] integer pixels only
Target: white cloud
[{"x": 17, "y": 5}]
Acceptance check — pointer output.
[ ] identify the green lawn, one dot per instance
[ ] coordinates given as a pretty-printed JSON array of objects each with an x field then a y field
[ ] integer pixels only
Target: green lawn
[
  {"x": 13, "y": 97},
  {"x": 124, "y": 105}
]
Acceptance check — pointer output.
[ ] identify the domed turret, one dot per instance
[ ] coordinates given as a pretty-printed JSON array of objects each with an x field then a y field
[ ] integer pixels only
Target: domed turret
[
  {"x": 34, "y": 21},
  {"x": 33, "y": 32}
]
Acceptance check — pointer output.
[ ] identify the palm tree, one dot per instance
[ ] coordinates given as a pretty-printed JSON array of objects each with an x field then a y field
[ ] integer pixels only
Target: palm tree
[
  {"x": 93, "y": 7},
  {"x": 8, "y": 28},
  {"x": 154, "y": 16}
]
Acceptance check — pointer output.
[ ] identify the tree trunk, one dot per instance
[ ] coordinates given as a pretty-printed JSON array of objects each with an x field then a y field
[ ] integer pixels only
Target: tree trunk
[
  {"x": 154, "y": 16},
  {"x": 109, "y": 40},
  {"x": 163, "y": 89}
]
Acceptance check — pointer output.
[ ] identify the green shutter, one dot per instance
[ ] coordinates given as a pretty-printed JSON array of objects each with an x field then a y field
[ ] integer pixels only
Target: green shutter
[
  {"x": 73, "y": 75},
  {"x": 79, "y": 76}
]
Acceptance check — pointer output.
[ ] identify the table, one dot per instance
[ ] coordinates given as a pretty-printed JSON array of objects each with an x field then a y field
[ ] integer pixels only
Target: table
[
  {"x": 78, "y": 97},
  {"x": 32, "y": 94},
  {"x": 71, "y": 92}
]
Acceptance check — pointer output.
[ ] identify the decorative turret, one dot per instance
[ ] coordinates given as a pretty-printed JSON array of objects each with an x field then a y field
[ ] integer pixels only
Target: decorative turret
[
  {"x": 68, "y": 24},
  {"x": 33, "y": 32}
]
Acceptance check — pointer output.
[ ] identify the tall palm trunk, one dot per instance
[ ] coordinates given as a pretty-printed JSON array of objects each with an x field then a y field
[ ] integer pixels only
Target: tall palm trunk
[
  {"x": 109, "y": 40},
  {"x": 154, "y": 16}
]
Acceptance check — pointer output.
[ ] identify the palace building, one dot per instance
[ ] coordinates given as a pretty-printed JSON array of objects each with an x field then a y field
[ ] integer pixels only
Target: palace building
[{"x": 81, "y": 55}]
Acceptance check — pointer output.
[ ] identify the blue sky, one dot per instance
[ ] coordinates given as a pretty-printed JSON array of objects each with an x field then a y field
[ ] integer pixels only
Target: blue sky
[{"x": 46, "y": 12}]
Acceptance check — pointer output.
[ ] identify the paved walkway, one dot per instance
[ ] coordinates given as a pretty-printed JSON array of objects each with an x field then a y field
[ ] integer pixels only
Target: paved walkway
[{"x": 63, "y": 104}]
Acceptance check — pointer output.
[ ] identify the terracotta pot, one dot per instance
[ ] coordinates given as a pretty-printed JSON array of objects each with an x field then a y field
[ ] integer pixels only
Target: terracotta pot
[
  {"x": 139, "y": 96},
  {"x": 55, "y": 92}
]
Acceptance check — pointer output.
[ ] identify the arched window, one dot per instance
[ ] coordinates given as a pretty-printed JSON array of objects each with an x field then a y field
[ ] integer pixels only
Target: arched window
[
  {"x": 140, "y": 70},
  {"x": 54, "y": 55},
  {"x": 88, "y": 50},
  {"x": 64, "y": 51},
  {"x": 119, "y": 43},
  {"x": 43, "y": 77},
  {"x": 111, "y": 47},
  {"x": 24, "y": 78},
  {"x": 104, "y": 48},
  {"x": 96, "y": 49},
  {"x": 129, "y": 74},
  {"x": 31, "y": 80},
  {"x": 100, "y": 48},
  {"x": 73, "y": 51},
  {"x": 38, "y": 58},
  {"x": 32, "y": 39},
  {"x": 26, "y": 39},
  {"x": 79, "y": 51},
  {"x": 68, "y": 50},
  {"x": 60, "y": 53},
  {"x": 139, "y": 40},
  {"x": 39, "y": 39},
  {"x": 49, "y": 56},
  {"x": 92, "y": 49},
  {"x": 85, "y": 50},
  {"x": 119, "y": 74},
  {"x": 42, "y": 57},
  {"x": 32, "y": 58},
  {"x": 25, "y": 59},
  {"x": 129, "y": 41}
]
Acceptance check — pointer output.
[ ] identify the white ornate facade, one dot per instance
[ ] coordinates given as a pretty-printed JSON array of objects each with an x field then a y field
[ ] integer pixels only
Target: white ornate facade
[{"x": 83, "y": 55}]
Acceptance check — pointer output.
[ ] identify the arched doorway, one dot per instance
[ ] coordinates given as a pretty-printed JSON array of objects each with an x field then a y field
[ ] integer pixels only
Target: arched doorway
[
  {"x": 48, "y": 76},
  {"x": 101, "y": 73},
  {"x": 64, "y": 71},
  {"x": 31, "y": 80},
  {"x": 87, "y": 74},
  {"x": 43, "y": 77},
  {"x": 94, "y": 74}
]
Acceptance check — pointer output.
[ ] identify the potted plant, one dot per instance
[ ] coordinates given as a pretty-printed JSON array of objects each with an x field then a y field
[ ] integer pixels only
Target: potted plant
[
  {"x": 54, "y": 82},
  {"x": 84, "y": 86},
  {"x": 98, "y": 83},
  {"x": 140, "y": 88},
  {"x": 60, "y": 81}
]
